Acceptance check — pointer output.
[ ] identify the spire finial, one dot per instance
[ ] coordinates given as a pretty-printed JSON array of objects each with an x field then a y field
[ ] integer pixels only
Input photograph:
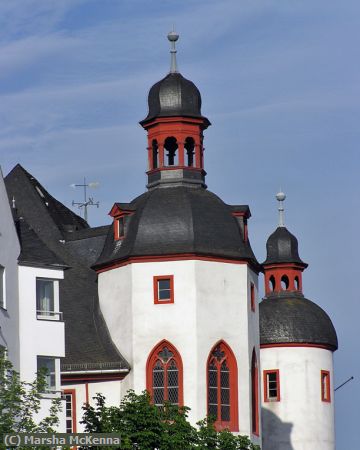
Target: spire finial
[
  {"x": 173, "y": 37},
  {"x": 280, "y": 197}
]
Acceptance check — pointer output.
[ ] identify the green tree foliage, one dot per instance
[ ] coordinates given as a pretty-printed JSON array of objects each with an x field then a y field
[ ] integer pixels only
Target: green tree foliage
[
  {"x": 144, "y": 426},
  {"x": 20, "y": 402}
]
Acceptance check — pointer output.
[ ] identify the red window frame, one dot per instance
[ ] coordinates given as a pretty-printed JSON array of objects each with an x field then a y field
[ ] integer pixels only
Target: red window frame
[
  {"x": 117, "y": 234},
  {"x": 266, "y": 385},
  {"x": 219, "y": 353},
  {"x": 252, "y": 297},
  {"x": 152, "y": 360},
  {"x": 255, "y": 426},
  {"x": 158, "y": 278},
  {"x": 72, "y": 393},
  {"x": 325, "y": 386}
]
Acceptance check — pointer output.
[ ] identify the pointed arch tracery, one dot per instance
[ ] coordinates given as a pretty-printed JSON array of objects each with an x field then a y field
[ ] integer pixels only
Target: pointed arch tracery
[
  {"x": 222, "y": 387},
  {"x": 164, "y": 375}
]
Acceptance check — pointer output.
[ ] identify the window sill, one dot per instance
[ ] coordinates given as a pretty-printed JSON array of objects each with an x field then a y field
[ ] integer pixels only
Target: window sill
[{"x": 53, "y": 316}]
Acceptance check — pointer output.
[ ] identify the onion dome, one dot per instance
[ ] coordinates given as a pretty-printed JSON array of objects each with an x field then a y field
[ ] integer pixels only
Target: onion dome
[
  {"x": 282, "y": 247},
  {"x": 174, "y": 95},
  {"x": 293, "y": 319}
]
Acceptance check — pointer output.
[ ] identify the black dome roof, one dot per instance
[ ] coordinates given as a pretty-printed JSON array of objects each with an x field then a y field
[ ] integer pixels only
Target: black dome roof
[
  {"x": 179, "y": 220},
  {"x": 174, "y": 95},
  {"x": 282, "y": 247},
  {"x": 294, "y": 319}
]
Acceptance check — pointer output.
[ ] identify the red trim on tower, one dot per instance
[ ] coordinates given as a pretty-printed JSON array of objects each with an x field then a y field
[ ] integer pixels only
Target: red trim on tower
[
  {"x": 325, "y": 386},
  {"x": 266, "y": 387},
  {"x": 150, "y": 363},
  {"x": 157, "y": 299},
  {"x": 176, "y": 257},
  {"x": 297, "y": 344},
  {"x": 229, "y": 357},
  {"x": 252, "y": 297},
  {"x": 255, "y": 395}
]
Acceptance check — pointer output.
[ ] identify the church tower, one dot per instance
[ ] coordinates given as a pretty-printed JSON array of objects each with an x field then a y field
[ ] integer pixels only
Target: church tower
[
  {"x": 297, "y": 343},
  {"x": 177, "y": 277}
]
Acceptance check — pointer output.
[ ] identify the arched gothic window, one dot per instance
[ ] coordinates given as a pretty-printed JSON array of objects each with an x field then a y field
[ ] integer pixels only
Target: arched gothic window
[
  {"x": 164, "y": 375},
  {"x": 254, "y": 394},
  {"x": 222, "y": 389}
]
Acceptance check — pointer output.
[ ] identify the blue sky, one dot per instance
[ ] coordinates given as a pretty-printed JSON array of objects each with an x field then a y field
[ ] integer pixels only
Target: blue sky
[{"x": 279, "y": 82}]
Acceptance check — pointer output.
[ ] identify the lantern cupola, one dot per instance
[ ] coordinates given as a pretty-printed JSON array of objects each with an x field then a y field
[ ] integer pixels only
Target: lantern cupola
[
  {"x": 283, "y": 267},
  {"x": 175, "y": 127}
]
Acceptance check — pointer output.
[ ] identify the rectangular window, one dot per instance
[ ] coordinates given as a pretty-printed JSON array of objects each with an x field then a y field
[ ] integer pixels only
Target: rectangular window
[
  {"x": 252, "y": 296},
  {"x": 119, "y": 225},
  {"x": 44, "y": 296},
  {"x": 325, "y": 386},
  {"x": 2, "y": 287},
  {"x": 164, "y": 289},
  {"x": 46, "y": 364},
  {"x": 271, "y": 386},
  {"x": 70, "y": 410}
]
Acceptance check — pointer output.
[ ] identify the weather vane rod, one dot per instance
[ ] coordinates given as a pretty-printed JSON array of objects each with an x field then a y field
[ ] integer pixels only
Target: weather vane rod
[
  {"x": 280, "y": 197},
  {"x": 173, "y": 37}
]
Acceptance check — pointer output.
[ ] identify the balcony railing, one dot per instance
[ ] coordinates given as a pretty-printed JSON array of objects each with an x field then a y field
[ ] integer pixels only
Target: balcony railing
[{"x": 49, "y": 315}]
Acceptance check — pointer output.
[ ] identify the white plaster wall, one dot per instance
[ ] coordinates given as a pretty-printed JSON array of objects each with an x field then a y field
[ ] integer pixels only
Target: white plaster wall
[
  {"x": 110, "y": 389},
  {"x": 301, "y": 420},
  {"x": 211, "y": 302},
  {"x": 9, "y": 252},
  {"x": 39, "y": 337}
]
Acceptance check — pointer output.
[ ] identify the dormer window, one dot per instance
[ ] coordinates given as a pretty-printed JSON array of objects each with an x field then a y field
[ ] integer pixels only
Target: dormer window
[
  {"x": 120, "y": 212},
  {"x": 119, "y": 225}
]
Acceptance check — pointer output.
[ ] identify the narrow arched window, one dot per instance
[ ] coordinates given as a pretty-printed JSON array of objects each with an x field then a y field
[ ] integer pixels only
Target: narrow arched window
[
  {"x": 155, "y": 154},
  {"x": 164, "y": 375},
  {"x": 190, "y": 151},
  {"x": 272, "y": 284},
  {"x": 284, "y": 283},
  {"x": 296, "y": 283},
  {"x": 254, "y": 394},
  {"x": 222, "y": 387},
  {"x": 170, "y": 145}
]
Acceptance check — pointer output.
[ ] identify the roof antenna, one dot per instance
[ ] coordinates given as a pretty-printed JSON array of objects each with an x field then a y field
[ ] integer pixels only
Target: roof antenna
[
  {"x": 173, "y": 37},
  {"x": 280, "y": 197}
]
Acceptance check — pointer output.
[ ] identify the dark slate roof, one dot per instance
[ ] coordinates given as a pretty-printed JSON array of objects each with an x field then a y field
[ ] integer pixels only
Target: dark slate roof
[
  {"x": 179, "y": 220},
  {"x": 291, "y": 318},
  {"x": 174, "y": 95},
  {"x": 282, "y": 247},
  {"x": 87, "y": 341},
  {"x": 34, "y": 251}
]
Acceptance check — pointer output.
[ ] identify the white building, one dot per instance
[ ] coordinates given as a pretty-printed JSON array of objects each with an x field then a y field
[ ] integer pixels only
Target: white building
[{"x": 165, "y": 298}]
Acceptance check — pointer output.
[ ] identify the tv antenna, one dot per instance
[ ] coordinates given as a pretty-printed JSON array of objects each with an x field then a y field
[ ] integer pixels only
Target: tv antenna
[{"x": 87, "y": 201}]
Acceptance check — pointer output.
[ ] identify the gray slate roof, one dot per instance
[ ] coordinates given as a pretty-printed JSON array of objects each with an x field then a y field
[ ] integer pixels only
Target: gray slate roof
[
  {"x": 291, "y": 318},
  {"x": 282, "y": 247},
  {"x": 174, "y": 95},
  {"x": 179, "y": 220},
  {"x": 34, "y": 252},
  {"x": 87, "y": 341}
]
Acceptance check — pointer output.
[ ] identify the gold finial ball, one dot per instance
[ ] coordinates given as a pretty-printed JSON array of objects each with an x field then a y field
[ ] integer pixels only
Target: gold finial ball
[{"x": 173, "y": 36}]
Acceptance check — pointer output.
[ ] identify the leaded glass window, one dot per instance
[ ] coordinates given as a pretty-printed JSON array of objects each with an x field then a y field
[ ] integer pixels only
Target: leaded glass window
[
  {"x": 166, "y": 379},
  {"x": 222, "y": 378}
]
